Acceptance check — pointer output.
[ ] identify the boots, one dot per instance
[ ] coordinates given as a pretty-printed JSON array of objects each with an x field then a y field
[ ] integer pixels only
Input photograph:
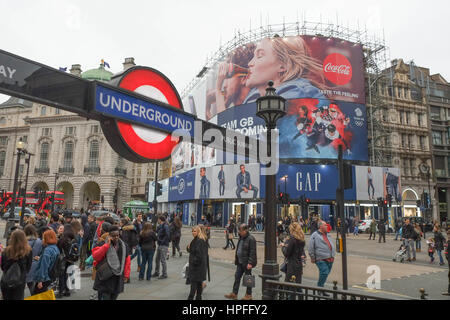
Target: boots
[
  {"x": 231, "y": 296},
  {"x": 247, "y": 297}
]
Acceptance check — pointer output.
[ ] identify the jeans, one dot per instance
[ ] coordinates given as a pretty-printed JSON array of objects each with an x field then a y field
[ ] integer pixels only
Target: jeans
[
  {"x": 222, "y": 189},
  {"x": 370, "y": 184},
  {"x": 196, "y": 287},
  {"x": 83, "y": 255},
  {"x": 410, "y": 245},
  {"x": 240, "y": 271},
  {"x": 253, "y": 189},
  {"x": 397, "y": 233},
  {"x": 439, "y": 252},
  {"x": 62, "y": 281},
  {"x": 175, "y": 246},
  {"x": 229, "y": 242},
  {"x": 138, "y": 253},
  {"x": 324, "y": 271},
  {"x": 147, "y": 258},
  {"x": 259, "y": 226},
  {"x": 355, "y": 231},
  {"x": 161, "y": 255},
  {"x": 107, "y": 296},
  {"x": 418, "y": 244}
]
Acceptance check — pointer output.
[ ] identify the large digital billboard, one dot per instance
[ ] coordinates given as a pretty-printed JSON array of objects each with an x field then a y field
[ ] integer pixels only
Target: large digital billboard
[
  {"x": 377, "y": 182},
  {"x": 312, "y": 73}
]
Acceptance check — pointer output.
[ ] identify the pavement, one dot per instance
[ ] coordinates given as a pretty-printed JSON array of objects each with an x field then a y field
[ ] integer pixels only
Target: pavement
[{"x": 398, "y": 280}]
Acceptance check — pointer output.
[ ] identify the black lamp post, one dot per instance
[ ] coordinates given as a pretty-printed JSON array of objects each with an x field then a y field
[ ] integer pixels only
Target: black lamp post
[
  {"x": 54, "y": 193},
  {"x": 20, "y": 146},
  {"x": 270, "y": 107},
  {"x": 27, "y": 161}
]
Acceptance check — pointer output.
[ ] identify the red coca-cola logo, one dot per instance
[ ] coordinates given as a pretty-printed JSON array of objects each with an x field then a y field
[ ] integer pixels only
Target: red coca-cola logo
[{"x": 337, "y": 69}]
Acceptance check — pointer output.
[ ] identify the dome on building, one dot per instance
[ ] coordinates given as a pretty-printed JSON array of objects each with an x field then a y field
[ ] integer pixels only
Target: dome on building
[{"x": 100, "y": 74}]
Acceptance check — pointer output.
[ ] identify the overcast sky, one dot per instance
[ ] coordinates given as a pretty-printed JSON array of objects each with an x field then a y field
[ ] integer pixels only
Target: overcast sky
[{"x": 175, "y": 37}]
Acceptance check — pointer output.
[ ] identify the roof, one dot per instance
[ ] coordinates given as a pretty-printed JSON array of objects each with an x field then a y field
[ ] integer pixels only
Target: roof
[
  {"x": 136, "y": 203},
  {"x": 100, "y": 74},
  {"x": 16, "y": 102}
]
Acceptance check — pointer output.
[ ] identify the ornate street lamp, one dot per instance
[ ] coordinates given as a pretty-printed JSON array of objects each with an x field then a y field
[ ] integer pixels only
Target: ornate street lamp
[
  {"x": 20, "y": 146},
  {"x": 270, "y": 107}
]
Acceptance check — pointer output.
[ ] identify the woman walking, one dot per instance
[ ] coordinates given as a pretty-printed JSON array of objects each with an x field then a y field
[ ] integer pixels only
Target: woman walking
[
  {"x": 198, "y": 262},
  {"x": 419, "y": 236},
  {"x": 294, "y": 252},
  {"x": 439, "y": 241},
  {"x": 175, "y": 234},
  {"x": 64, "y": 246},
  {"x": 229, "y": 235},
  {"x": 36, "y": 248},
  {"x": 16, "y": 261},
  {"x": 43, "y": 276},
  {"x": 147, "y": 242}
]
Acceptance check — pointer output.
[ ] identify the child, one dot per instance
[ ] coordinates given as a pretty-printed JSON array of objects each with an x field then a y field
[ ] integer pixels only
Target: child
[
  {"x": 430, "y": 243},
  {"x": 355, "y": 231}
]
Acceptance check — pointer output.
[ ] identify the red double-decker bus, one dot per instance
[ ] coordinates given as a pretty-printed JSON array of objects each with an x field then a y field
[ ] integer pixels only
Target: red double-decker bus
[{"x": 41, "y": 204}]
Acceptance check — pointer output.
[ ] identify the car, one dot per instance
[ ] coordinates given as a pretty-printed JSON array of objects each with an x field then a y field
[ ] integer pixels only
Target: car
[
  {"x": 364, "y": 226},
  {"x": 75, "y": 214},
  {"x": 28, "y": 212},
  {"x": 99, "y": 213}
]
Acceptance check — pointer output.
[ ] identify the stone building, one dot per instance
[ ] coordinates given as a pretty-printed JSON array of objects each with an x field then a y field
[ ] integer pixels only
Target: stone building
[{"x": 72, "y": 147}]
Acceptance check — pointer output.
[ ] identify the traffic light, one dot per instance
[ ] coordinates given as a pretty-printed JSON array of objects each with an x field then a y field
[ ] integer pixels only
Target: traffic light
[
  {"x": 280, "y": 196},
  {"x": 426, "y": 200},
  {"x": 307, "y": 200},
  {"x": 147, "y": 188},
  {"x": 158, "y": 189}
]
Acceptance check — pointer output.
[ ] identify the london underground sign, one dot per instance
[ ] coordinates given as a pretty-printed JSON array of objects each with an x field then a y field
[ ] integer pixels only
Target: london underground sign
[{"x": 138, "y": 109}]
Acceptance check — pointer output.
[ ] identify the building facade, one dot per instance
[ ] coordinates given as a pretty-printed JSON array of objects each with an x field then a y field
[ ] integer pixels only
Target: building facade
[{"x": 69, "y": 152}]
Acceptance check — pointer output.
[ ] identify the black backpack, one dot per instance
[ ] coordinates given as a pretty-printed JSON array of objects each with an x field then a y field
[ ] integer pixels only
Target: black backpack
[
  {"x": 13, "y": 277},
  {"x": 74, "y": 251},
  {"x": 57, "y": 268}
]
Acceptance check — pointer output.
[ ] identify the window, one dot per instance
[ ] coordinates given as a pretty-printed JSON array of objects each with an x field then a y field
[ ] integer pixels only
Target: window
[
  {"x": 435, "y": 113},
  {"x": 25, "y": 139},
  {"x": 43, "y": 163},
  {"x": 401, "y": 116},
  {"x": 95, "y": 129},
  {"x": 46, "y": 132},
  {"x": 422, "y": 142},
  {"x": 419, "y": 119},
  {"x": 57, "y": 111},
  {"x": 70, "y": 131},
  {"x": 3, "y": 141},
  {"x": 139, "y": 172},
  {"x": 2, "y": 162},
  {"x": 43, "y": 111},
  {"x": 412, "y": 167},
  {"x": 408, "y": 117},
  {"x": 2, "y": 120},
  {"x": 120, "y": 162},
  {"x": 138, "y": 180},
  {"x": 93, "y": 154},
  {"x": 437, "y": 137},
  {"x": 410, "y": 141},
  {"x": 404, "y": 140},
  {"x": 68, "y": 154}
]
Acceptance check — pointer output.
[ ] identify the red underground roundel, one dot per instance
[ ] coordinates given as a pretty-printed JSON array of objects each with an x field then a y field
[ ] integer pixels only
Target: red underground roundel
[
  {"x": 337, "y": 69},
  {"x": 146, "y": 144}
]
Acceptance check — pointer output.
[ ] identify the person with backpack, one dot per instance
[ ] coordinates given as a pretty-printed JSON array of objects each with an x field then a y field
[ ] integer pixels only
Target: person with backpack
[
  {"x": 69, "y": 247},
  {"x": 16, "y": 262},
  {"x": 147, "y": 241},
  {"x": 47, "y": 270},
  {"x": 138, "y": 224},
  {"x": 175, "y": 234},
  {"x": 130, "y": 236},
  {"x": 84, "y": 241},
  {"x": 36, "y": 247},
  {"x": 163, "y": 234}
]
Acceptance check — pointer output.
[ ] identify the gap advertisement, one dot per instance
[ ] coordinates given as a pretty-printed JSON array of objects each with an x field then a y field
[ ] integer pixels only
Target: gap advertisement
[
  {"x": 377, "y": 182},
  {"x": 317, "y": 182},
  {"x": 228, "y": 182},
  {"x": 182, "y": 186}
]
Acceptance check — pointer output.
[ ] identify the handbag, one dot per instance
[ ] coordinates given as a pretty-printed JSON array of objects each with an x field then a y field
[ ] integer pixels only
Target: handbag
[
  {"x": 248, "y": 281},
  {"x": 230, "y": 236},
  {"x": 47, "y": 295},
  {"x": 103, "y": 270},
  {"x": 283, "y": 267}
]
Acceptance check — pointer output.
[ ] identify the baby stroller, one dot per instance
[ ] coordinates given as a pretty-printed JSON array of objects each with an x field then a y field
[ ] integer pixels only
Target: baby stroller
[{"x": 400, "y": 254}]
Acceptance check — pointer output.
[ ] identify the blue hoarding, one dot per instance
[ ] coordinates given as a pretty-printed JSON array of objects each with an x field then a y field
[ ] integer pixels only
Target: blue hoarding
[
  {"x": 317, "y": 182},
  {"x": 182, "y": 186}
]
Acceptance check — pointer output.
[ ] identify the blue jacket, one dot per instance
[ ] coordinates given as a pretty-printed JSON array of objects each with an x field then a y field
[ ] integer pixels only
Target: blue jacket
[
  {"x": 243, "y": 181},
  {"x": 36, "y": 245},
  {"x": 205, "y": 187},
  {"x": 221, "y": 176},
  {"x": 293, "y": 89},
  {"x": 163, "y": 233},
  {"x": 46, "y": 262}
]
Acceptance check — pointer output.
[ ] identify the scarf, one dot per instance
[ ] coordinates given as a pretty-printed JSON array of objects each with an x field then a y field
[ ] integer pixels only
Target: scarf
[{"x": 113, "y": 259}]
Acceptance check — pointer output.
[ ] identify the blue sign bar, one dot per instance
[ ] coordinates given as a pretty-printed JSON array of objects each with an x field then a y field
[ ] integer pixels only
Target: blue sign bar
[{"x": 122, "y": 106}]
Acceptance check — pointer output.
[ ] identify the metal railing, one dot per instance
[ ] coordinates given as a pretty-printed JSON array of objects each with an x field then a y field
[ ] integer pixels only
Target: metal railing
[
  {"x": 120, "y": 171},
  {"x": 66, "y": 170},
  {"x": 41, "y": 170},
  {"x": 297, "y": 291},
  {"x": 91, "y": 170}
]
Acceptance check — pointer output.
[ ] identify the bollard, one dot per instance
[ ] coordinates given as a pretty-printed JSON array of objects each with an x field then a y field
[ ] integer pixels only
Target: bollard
[
  {"x": 423, "y": 295},
  {"x": 335, "y": 288}
]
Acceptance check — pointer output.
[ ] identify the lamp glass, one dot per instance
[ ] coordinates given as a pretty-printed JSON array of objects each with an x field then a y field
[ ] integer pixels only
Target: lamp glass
[{"x": 20, "y": 144}]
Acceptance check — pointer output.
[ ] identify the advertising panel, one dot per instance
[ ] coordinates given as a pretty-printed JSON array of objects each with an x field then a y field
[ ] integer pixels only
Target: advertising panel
[
  {"x": 317, "y": 182},
  {"x": 377, "y": 182},
  {"x": 182, "y": 186},
  {"x": 392, "y": 184},
  {"x": 188, "y": 156},
  {"x": 165, "y": 191},
  {"x": 228, "y": 182}
]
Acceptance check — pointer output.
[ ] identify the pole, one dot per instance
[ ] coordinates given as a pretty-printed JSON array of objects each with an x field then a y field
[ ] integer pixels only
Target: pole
[
  {"x": 12, "y": 207},
  {"x": 54, "y": 194},
  {"x": 340, "y": 206},
  {"x": 27, "y": 161},
  {"x": 430, "y": 208},
  {"x": 270, "y": 268},
  {"x": 155, "y": 202}
]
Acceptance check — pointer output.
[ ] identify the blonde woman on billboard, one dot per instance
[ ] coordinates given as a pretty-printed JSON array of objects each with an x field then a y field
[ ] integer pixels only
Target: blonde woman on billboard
[{"x": 287, "y": 62}]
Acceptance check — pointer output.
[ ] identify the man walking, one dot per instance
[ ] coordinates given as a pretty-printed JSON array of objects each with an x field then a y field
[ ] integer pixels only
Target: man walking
[
  {"x": 163, "y": 234},
  {"x": 138, "y": 224},
  {"x": 382, "y": 231},
  {"x": 398, "y": 226},
  {"x": 322, "y": 251},
  {"x": 408, "y": 235},
  {"x": 245, "y": 260}
]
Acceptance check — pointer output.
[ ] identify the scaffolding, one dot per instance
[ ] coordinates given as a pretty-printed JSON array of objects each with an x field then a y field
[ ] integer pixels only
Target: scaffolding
[{"x": 376, "y": 57}]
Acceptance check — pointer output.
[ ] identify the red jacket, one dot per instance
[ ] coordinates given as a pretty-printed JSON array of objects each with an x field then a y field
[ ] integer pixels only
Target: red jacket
[{"x": 99, "y": 253}]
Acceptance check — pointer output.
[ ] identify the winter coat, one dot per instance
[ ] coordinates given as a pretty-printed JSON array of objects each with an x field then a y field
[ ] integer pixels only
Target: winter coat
[
  {"x": 439, "y": 241},
  {"x": 45, "y": 263},
  {"x": 373, "y": 227},
  {"x": 175, "y": 232},
  {"x": 148, "y": 242},
  {"x": 248, "y": 250},
  {"x": 115, "y": 284},
  {"x": 163, "y": 233},
  {"x": 318, "y": 249},
  {"x": 408, "y": 232},
  {"x": 293, "y": 252},
  {"x": 24, "y": 264},
  {"x": 198, "y": 260},
  {"x": 36, "y": 249},
  {"x": 381, "y": 227},
  {"x": 130, "y": 235}
]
